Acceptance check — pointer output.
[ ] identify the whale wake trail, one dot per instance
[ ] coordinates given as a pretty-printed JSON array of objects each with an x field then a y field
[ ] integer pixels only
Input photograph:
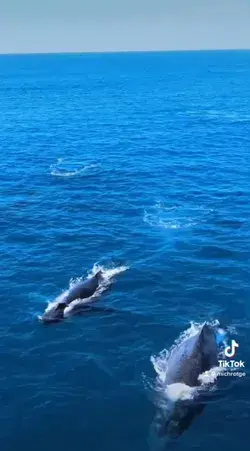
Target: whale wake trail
[
  {"x": 177, "y": 216},
  {"x": 64, "y": 168}
]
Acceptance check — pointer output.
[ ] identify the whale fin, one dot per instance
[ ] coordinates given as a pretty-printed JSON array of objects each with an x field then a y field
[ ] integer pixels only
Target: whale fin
[
  {"x": 208, "y": 346},
  {"x": 61, "y": 305},
  {"x": 99, "y": 275}
]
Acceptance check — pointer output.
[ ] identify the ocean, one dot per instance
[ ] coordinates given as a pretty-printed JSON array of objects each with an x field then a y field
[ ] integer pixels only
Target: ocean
[{"x": 136, "y": 163}]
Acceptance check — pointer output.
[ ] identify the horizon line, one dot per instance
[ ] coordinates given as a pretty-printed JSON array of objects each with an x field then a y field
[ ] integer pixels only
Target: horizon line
[{"x": 93, "y": 52}]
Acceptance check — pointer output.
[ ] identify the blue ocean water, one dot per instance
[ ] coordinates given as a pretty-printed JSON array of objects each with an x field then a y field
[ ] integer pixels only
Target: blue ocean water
[{"x": 139, "y": 161}]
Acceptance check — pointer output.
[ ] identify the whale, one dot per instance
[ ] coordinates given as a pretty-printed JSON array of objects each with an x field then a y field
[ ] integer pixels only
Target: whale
[
  {"x": 81, "y": 290},
  {"x": 194, "y": 356}
]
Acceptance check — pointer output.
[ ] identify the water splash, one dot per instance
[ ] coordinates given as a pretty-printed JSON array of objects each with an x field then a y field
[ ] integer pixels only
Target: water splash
[
  {"x": 179, "y": 391},
  {"x": 210, "y": 377}
]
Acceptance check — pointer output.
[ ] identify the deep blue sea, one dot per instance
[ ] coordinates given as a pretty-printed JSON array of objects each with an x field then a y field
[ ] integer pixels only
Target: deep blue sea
[{"x": 138, "y": 163}]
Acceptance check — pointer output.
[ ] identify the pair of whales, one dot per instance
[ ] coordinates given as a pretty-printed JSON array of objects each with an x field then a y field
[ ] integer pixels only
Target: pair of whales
[
  {"x": 81, "y": 290},
  {"x": 194, "y": 356}
]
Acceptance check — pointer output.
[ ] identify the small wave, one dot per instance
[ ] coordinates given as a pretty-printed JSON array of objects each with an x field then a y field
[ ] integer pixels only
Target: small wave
[
  {"x": 108, "y": 275},
  {"x": 71, "y": 168},
  {"x": 175, "y": 217},
  {"x": 229, "y": 116}
]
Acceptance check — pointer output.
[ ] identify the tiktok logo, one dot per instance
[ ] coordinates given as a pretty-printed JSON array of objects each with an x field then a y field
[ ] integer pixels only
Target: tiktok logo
[{"x": 231, "y": 350}]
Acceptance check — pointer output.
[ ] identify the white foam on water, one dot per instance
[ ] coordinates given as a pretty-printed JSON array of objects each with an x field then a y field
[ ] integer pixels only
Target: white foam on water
[
  {"x": 179, "y": 391},
  {"x": 71, "y": 168},
  {"x": 175, "y": 217},
  {"x": 155, "y": 221},
  {"x": 209, "y": 377}
]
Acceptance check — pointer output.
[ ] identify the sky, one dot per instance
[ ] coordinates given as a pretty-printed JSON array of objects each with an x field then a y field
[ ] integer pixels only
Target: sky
[{"x": 34, "y": 26}]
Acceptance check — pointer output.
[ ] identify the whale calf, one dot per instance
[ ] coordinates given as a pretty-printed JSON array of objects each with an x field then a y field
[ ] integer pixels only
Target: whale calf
[
  {"x": 194, "y": 356},
  {"x": 81, "y": 290}
]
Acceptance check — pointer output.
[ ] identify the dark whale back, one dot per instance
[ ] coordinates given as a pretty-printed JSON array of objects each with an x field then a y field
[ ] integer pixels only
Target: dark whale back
[
  {"x": 83, "y": 290},
  {"x": 195, "y": 355}
]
